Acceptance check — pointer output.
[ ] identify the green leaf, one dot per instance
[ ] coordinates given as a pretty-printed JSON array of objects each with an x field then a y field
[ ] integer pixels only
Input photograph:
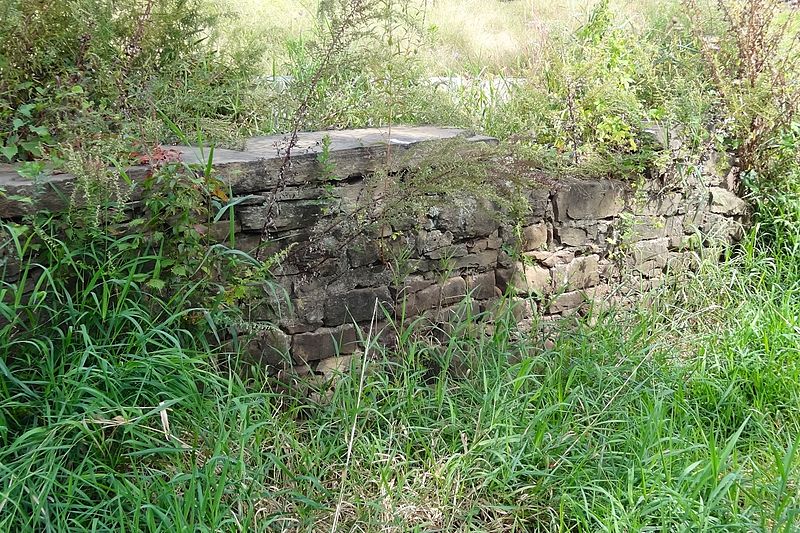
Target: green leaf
[
  {"x": 18, "y": 123},
  {"x": 25, "y": 110},
  {"x": 32, "y": 147},
  {"x": 157, "y": 284},
  {"x": 41, "y": 131},
  {"x": 9, "y": 151}
]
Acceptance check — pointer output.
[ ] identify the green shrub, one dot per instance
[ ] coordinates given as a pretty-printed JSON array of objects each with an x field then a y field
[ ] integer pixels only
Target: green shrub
[{"x": 78, "y": 70}]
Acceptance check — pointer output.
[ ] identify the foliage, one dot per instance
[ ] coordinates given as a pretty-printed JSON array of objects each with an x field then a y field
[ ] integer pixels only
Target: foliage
[
  {"x": 80, "y": 70},
  {"x": 753, "y": 61},
  {"x": 122, "y": 417}
]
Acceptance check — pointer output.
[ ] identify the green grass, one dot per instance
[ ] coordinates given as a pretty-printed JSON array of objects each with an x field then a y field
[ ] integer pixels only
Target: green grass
[
  {"x": 119, "y": 412},
  {"x": 679, "y": 417}
]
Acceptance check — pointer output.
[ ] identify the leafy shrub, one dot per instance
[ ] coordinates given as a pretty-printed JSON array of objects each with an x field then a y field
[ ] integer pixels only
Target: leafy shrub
[{"x": 78, "y": 70}]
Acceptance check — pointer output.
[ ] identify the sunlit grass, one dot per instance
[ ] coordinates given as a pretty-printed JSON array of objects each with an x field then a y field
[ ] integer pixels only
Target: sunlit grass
[{"x": 459, "y": 36}]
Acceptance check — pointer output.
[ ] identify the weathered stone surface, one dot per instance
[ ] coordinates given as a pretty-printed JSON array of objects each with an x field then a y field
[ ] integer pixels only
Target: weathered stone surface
[
  {"x": 718, "y": 228},
  {"x": 269, "y": 347},
  {"x": 551, "y": 259},
  {"x": 571, "y": 236},
  {"x": 286, "y": 215},
  {"x": 415, "y": 284},
  {"x": 534, "y": 236},
  {"x": 650, "y": 257},
  {"x": 468, "y": 217},
  {"x": 660, "y": 204},
  {"x": 429, "y": 241},
  {"x": 323, "y": 343},
  {"x": 588, "y": 200},
  {"x": 481, "y": 286},
  {"x": 480, "y": 261},
  {"x": 724, "y": 202},
  {"x": 448, "y": 293},
  {"x": 364, "y": 251},
  {"x": 525, "y": 279},
  {"x": 648, "y": 227},
  {"x": 356, "y": 306},
  {"x": 567, "y": 301},
  {"x": 582, "y": 272},
  {"x": 492, "y": 242}
]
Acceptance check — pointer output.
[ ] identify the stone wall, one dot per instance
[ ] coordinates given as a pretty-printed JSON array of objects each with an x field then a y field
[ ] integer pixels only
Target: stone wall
[{"x": 581, "y": 243}]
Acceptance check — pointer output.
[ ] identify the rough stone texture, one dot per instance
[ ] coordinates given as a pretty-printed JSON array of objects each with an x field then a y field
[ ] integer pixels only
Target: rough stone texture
[
  {"x": 589, "y": 200},
  {"x": 725, "y": 202},
  {"x": 580, "y": 273},
  {"x": 324, "y": 343},
  {"x": 525, "y": 278},
  {"x": 534, "y": 237},
  {"x": 577, "y": 241}
]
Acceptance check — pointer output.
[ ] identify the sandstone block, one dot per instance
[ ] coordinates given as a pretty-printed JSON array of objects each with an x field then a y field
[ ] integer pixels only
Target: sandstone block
[
  {"x": 724, "y": 202},
  {"x": 580, "y": 273},
  {"x": 481, "y": 286},
  {"x": 448, "y": 293},
  {"x": 356, "y": 305},
  {"x": 525, "y": 279},
  {"x": 649, "y": 257},
  {"x": 571, "y": 236},
  {"x": 478, "y": 261},
  {"x": 534, "y": 236},
  {"x": 551, "y": 259},
  {"x": 567, "y": 301},
  {"x": 589, "y": 200},
  {"x": 323, "y": 343},
  {"x": 286, "y": 215}
]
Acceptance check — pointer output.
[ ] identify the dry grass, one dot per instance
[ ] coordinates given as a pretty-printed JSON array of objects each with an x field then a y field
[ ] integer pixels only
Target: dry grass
[{"x": 461, "y": 36}]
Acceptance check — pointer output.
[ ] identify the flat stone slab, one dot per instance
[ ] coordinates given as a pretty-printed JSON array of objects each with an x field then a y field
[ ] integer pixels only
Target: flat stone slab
[
  {"x": 255, "y": 169},
  {"x": 341, "y": 140}
]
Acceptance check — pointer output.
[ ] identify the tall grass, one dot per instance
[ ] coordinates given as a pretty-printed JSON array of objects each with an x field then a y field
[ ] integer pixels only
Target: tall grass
[{"x": 683, "y": 416}]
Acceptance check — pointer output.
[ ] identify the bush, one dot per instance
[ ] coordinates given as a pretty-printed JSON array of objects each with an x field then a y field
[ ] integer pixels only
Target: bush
[{"x": 78, "y": 70}]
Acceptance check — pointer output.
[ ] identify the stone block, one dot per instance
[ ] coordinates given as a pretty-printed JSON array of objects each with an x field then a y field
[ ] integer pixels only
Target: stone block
[
  {"x": 414, "y": 284},
  {"x": 580, "y": 273},
  {"x": 286, "y": 215},
  {"x": 719, "y": 228},
  {"x": 660, "y": 204},
  {"x": 468, "y": 217},
  {"x": 589, "y": 200},
  {"x": 481, "y": 286},
  {"x": 269, "y": 347},
  {"x": 449, "y": 253},
  {"x": 479, "y": 261},
  {"x": 454, "y": 314},
  {"x": 568, "y": 301},
  {"x": 551, "y": 259},
  {"x": 571, "y": 236},
  {"x": 534, "y": 237},
  {"x": 448, "y": 293},
  {"x": 525, "y": 279},
  {"x": 649, "y": 257},
  {"x": 724, "y": 202},
  {"x": 356, "y": 306},
  {"x": 433, "y": 240},
  {"x": 363, "y": 252},
  {"x": 491, "y": 242},
  {"x": 647, "y": 227},
  {"x": 324, "y": 343}
]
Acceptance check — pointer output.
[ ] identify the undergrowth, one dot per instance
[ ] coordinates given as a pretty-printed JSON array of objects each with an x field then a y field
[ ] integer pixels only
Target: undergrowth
[
  {"x": 122, "y": 409},
  {"x": 117, "y": 413}
]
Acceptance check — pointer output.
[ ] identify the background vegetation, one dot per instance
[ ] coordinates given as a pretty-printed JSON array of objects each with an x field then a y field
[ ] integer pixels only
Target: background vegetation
[{"x": 117, "y": 411}]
